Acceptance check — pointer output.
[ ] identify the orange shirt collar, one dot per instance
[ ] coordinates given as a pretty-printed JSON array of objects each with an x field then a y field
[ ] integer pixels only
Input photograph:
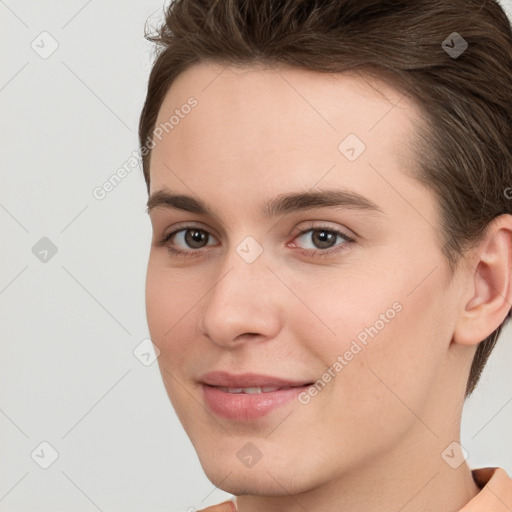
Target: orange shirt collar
[{"x": 495, "y": 494}]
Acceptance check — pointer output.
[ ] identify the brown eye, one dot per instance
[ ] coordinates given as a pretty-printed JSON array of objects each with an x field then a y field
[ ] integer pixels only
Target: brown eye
[
  {"x": 195, "y": 238},
  {"x": 187, "y": 240},
  {"x": 323, "y": 239}
]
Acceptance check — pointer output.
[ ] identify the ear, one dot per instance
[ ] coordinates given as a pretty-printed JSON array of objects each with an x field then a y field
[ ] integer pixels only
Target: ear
[{"x": 489, "y": 291}]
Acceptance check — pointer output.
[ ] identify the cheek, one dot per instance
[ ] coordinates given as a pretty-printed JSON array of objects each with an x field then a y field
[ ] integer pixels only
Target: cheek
[
  {"x": 169, "y": 303},
  {"x": 166, "y": 304},
  {"x": 344, "y": 313},
  {"x": 397, "y": 368},
  {"x": 379, "y": 335},
  {"x": 159, "y": 301}
]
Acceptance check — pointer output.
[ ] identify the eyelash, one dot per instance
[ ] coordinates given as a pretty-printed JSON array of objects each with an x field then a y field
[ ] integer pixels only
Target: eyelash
[{"x": 307, "y": 252}]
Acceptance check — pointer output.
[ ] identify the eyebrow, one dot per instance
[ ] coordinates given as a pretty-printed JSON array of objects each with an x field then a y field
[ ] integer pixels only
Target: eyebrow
[{"x": 279, "y": 205}]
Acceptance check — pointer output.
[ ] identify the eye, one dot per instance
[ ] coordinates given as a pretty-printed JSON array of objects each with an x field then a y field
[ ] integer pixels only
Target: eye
[
  {"x": 188, "y": 240},
  {"x": 323, "y": 239},
  {"x": 190, "y": 237}
]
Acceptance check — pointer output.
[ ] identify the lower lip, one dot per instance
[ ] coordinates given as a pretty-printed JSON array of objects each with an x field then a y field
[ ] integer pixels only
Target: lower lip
[{"x": 247, "y": 406}]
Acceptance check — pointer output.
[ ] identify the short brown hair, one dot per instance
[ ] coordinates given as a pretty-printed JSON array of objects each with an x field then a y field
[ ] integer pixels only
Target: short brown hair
[{"x": 465, "y": 151}]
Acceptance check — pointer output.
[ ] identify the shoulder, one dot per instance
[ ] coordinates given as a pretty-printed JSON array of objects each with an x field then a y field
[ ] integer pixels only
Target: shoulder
[
  {"x": 225, "y": 506},
  {"x": 496, "y": 491}
]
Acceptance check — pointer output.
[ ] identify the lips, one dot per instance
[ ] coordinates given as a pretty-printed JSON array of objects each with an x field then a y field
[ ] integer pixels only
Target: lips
[
  {"x": 248, "y": 396},
  {"x": 250, "y": 391},
  {"x": 248, "y": 380}
]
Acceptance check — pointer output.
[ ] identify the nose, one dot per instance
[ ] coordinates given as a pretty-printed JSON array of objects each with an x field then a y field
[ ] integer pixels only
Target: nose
[{"x": 244, "y": 303}]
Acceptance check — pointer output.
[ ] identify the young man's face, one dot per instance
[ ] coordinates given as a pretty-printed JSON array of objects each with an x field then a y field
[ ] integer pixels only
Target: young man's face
[{"x": 370, "y": 321}]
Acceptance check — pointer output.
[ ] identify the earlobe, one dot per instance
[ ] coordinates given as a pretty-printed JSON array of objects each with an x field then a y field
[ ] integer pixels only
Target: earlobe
[{"x": 489, "y": 285}]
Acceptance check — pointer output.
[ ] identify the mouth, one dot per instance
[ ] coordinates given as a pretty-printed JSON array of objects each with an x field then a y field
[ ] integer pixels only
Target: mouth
[
  {"x": 247, "y": 397},
  {"x": 251, "y": 403},
  {"x": 249, "y": 381},
  {"x": 257, "y": 390}
]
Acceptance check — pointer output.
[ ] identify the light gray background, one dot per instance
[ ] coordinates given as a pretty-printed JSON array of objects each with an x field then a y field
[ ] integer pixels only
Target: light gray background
[{"x": 68, "y": 375}]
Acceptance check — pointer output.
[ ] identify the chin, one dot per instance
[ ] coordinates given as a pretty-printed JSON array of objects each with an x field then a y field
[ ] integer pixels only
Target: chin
[
  {"x": 264, "y": 478},
  {"x": 250, "y": 485}
]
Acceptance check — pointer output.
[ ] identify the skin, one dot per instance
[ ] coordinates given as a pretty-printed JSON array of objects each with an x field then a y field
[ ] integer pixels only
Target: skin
[{"x": 373, "y": 437}]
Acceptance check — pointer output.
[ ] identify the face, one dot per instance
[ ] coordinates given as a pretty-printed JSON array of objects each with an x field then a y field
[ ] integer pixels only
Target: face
[{"x": 342, "y": 292}]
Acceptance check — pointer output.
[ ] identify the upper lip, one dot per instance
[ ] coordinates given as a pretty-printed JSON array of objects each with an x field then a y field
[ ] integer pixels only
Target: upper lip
[{"x": 247, "y": 380}]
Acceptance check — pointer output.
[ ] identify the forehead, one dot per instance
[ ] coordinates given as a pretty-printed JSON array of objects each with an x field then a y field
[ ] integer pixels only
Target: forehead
[
  {"x": 323, "y": 103},
  {"x": 267, "y": 127}
]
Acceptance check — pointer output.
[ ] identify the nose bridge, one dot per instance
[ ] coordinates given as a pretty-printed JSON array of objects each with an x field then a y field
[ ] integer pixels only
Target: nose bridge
[
  {"x": 239, "y": 301},
  {"x": 243, "y": 272}
]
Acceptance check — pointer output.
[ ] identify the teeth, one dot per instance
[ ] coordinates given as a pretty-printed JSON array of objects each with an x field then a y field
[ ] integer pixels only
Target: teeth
[{"x": 249, "y": 391}]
